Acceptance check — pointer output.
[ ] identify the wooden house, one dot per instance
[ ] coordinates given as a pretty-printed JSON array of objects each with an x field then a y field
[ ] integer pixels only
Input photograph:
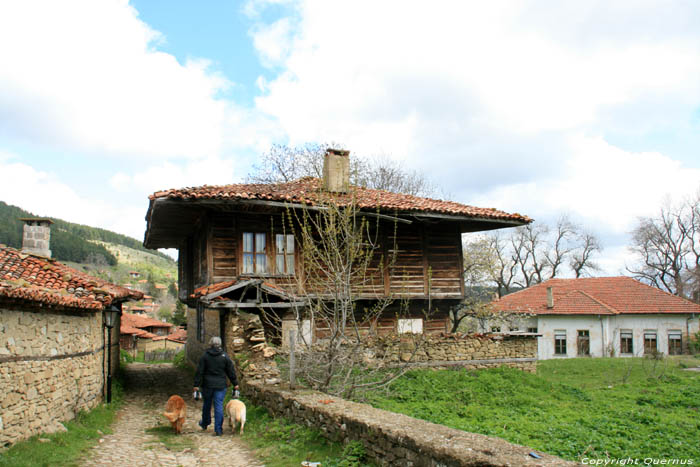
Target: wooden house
[{"x": 234, "y": 254}]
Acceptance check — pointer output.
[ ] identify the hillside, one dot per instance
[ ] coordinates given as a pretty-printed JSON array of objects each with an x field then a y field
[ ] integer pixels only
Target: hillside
[{"x": 71, "y": 242}]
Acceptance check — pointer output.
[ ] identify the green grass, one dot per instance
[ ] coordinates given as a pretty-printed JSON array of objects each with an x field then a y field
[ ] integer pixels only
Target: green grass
[
  {"x": 172, "y": 442},
  {"x": 281, "y": 443},
  {"x": 572, "y": 408},
  {"x": 65, "y": 449}
]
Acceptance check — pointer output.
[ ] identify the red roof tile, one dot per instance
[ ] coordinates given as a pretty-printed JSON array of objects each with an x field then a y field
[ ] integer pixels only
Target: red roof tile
[
  {"x": 595, "y": 296},
  {"x": 308, "y": 191},
  {"x": 180, "y": 335},
  {"x": 37, "y": 279},
  {"x": 137, "y": 321}
]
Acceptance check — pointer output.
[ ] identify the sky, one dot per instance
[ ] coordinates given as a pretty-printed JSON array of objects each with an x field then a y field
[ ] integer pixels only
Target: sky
[{"x": 591, "y": 109}]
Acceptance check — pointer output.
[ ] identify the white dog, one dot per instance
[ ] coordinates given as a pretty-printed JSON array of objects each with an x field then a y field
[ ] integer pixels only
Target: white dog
[{"x": 235, "y": 410}]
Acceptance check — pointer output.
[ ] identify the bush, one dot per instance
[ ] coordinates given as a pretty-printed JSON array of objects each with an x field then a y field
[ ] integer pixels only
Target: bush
[{"x": 125, "y": 357}]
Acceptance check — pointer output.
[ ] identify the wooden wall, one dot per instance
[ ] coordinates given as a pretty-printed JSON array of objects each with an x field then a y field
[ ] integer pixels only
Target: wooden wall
[{"x": 414, "y": 260}]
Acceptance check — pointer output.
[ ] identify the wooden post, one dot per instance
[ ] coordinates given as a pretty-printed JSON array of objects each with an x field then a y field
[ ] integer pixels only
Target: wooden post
[{"x": 292, "y": 341}]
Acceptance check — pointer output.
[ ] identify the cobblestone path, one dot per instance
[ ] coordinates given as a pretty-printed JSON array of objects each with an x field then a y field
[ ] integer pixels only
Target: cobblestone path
[{"x": 148, "y": 387}]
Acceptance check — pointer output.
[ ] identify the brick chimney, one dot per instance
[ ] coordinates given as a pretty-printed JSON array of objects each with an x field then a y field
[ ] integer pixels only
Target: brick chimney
[
  {"x": 37, "y": 236},
  {"x": 550, "y": 298},
  {"x": 336, "y": 170}
]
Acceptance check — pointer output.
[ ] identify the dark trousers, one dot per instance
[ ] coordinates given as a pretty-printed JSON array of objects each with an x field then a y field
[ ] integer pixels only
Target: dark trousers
[{"x": 217, "y": 397}]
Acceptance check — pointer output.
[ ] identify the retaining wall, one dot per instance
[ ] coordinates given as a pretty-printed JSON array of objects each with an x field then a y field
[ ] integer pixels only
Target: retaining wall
[{"x": 391, "y": 438}]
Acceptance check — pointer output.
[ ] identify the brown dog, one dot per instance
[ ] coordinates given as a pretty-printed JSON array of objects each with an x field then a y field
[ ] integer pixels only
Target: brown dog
[
  {"x": 175, "y": 412},
  {"x": 235, "y": 410}
]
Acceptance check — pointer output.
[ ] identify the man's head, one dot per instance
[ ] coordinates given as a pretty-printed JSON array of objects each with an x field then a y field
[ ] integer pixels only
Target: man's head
[{"x": 215, "y": 341}]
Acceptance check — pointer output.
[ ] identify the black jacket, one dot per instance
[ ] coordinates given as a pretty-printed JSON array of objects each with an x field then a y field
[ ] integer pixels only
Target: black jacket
[{"x": 213, "y": 368}]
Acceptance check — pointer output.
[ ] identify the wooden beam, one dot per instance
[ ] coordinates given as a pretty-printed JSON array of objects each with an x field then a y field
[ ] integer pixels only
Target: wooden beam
[
  {"x": 236, "y": 305},
  {"x": 235, "y": 286}
]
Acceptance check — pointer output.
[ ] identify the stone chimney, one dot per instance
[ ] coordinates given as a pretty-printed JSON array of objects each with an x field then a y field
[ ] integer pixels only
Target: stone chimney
[
  {"x": 37, "y": 236},
  {"x": 336, "y": 170},
  {"x": 550, "y": 298}
]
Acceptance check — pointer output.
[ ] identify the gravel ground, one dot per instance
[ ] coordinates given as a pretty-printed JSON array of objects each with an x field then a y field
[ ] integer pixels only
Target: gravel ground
[{"x": 147, "y": 388}]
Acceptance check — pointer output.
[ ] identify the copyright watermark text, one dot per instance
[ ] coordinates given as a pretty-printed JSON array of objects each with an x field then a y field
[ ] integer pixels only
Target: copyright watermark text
[{"x": 636, "y": 461}]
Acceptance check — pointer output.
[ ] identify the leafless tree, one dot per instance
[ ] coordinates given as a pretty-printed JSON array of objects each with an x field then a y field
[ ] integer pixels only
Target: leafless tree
[
  {"x": 284, "y": 163},
  {"x": 340, "y": 256},
  {"x": 534, "y": 253},
  {"x": 668, "y": 248}
]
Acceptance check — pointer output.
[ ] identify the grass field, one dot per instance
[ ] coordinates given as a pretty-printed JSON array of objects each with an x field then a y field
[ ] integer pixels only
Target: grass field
[{"x": 573, "y": 408}]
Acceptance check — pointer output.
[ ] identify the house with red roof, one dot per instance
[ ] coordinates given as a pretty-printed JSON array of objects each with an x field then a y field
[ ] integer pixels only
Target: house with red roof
[
  {"x": 54, "y": 347},
  {"x": 141, "y": 333},
  {"x": 233, "y": 254},
  {"x": 603, "y": 316}
]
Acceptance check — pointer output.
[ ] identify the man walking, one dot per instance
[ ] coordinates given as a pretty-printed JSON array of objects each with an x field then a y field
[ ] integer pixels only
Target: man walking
[{"x": 212, "y": 370}]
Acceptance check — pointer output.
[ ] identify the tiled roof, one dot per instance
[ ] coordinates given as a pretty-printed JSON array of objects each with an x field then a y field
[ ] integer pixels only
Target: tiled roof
[
  {"x": 180, "y": 335},
  {"x": 595, "y": 296},
  {"x": 307, "y": 191},
  {"x": 208, "y": 289},
  {"x": 37, "y": 279},
  {"x": 137, "y": 321}
]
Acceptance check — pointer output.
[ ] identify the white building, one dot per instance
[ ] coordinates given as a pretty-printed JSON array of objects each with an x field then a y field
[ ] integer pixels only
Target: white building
[{"x": 603, "y": 316}]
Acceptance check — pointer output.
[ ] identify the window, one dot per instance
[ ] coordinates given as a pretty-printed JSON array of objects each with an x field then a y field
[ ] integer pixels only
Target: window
[
  {"x": 583, "y": 343},
  {"x": 560, "y": 342},
  {"x": 626, "y": 339},
  {"x": 495, "y": 329},
  {"x": 410, "y": 326},
  {"x": 532, "y": 330},
  {"x": 200, "y": 322},
  {"x": 675, "y": 342},
  {"x": 254, "y": 254},
  {"x": 650, "y": 342},
  {"x": 285, "y": 254}
]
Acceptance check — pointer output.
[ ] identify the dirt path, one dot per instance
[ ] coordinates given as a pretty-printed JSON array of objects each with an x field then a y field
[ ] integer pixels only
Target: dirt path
[{"x": 148, "y": 387}]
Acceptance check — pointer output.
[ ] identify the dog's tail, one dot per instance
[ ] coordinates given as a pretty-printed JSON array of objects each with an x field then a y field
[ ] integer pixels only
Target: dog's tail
[
  {"x": 172, "y": 416},
  {"x": 242, "y": 418}
]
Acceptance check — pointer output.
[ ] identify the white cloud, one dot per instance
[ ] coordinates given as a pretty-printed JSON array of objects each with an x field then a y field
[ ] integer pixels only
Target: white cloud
[
  {"x": 45, "y": 195},
  {"x": 85, "y": 75},
  {"x": 505, "y": 104}
]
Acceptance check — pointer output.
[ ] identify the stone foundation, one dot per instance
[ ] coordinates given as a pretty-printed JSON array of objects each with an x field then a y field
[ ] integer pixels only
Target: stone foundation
[
  {"x": 472, "y": 351},
  {"x": 390, "y": 438},
  {"x": 52, "y": 366}
]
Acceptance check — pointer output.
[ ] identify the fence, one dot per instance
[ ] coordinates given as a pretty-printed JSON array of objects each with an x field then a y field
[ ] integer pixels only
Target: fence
[{"x": 166, "y": 355}]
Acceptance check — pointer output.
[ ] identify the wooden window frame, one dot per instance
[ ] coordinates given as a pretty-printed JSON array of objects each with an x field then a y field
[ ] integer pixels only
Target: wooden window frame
[
  {"x": 583, "y": 336},
  {"x": 647, "y": 338},
  {"x": 560, "y": 343},
  {"x": 254, "y": 253},
  {"x": 677, "y": 347},
  {"x": 285, "y": 255},
  {"x": 626, "y": 342}
]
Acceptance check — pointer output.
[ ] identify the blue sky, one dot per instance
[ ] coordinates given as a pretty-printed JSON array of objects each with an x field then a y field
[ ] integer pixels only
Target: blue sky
[{"x": 588, "y": 108}]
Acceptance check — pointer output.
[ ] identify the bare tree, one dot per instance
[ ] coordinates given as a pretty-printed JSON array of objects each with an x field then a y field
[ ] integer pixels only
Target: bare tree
[
  {"x": 533, "y": 253},
  {"x": 668, "y": 248},
  {"x": 284, "y": 164},
  {"x": 341, "y": 257}
]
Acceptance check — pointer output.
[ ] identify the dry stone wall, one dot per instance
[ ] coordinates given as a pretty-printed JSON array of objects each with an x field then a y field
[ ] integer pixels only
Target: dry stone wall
[
  {"x": 51, "y": 367},
  {"x": 391, "y": 438},
  {"x": 472, "y": 351}
]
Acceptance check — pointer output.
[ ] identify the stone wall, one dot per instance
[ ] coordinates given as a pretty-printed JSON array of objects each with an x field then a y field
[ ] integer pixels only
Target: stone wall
[
  {"x": 194, "y": 347},
  {"x": 391, "y": 438},
  {"x": 52, "y": 365},
  {"x": 470, "y": 350}
]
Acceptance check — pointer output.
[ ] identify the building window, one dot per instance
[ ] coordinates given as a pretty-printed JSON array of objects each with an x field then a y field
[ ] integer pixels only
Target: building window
[
  {"x": 626, "y": 342},
  {"x": 495, "y": 329},
  {"x": 200, "y": 322},
  {"x": 410, "y": 326},
  {"x": 285, "y": 254},
  {"x": 583, "y": 343},
  {"x": 254, "y": 253},
  {"x": 532, "y": 330},
  {"x": 675, "y": 342},
  {"x": 650, "y": 342},
  {"x": 560, "y": 342}
]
